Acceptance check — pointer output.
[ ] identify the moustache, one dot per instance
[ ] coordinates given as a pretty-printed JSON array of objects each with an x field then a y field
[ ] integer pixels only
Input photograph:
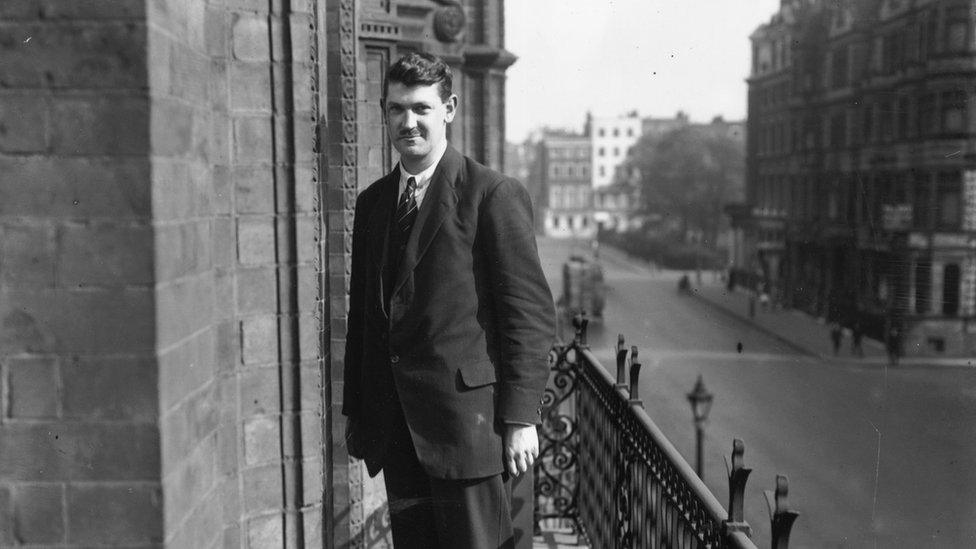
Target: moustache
[{"x": 408, "y": 134}]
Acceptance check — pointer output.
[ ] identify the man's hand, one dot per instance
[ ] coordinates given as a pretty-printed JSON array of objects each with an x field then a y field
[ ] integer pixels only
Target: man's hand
[{"x": 521, "y": 448}]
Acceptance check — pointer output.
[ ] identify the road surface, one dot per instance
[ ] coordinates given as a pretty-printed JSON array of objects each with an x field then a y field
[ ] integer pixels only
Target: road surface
[{"x": 876, "y": 456}]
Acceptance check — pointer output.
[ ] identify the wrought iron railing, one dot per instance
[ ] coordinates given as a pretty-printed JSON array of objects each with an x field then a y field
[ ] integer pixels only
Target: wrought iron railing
[{"x": 607, "y": 472}]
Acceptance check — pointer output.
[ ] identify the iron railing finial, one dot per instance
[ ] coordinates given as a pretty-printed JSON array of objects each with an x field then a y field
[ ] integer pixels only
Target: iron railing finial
[
  {"x": 780, "y": 515},
  {"x": 580, "y": 322},
  {"x": 621, "y": 362},
  {"x": 738, "y": 475},
  {"x": 634, "y": 377}
]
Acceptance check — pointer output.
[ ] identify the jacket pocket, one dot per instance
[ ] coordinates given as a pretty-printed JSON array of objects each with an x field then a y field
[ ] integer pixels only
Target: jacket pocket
[{"x": 477, "y": 374}]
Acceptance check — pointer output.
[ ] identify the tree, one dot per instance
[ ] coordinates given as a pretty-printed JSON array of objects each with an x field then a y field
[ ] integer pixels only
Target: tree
[{"x": 691, "y": 173}]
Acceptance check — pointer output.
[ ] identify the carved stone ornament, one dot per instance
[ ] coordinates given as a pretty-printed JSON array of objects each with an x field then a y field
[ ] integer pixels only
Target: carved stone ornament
[{"x": 449, "y": 21}]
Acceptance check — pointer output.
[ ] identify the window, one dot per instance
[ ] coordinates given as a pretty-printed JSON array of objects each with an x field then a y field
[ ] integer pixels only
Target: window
[
  {"x": 833, "y": 205},
  {"x": 850, "y": 186},
  {"x": 927, "y": 122},
  {"x": 921, "y": 202},
  {"x": 923, "y": 286},
  {"x": 912, "y": 42},
  {"x": 950, "y": 290},
  {"x": 838, "y": 130},
  {"x": 954, "y": 111},
  {"x": 932, "y": 32},
  {"x": 810, "y": 134},
  {"x": 555, "y": 200},
  {"x": 868, "y": 124},
  {"x": 901, "y": 130},
  {"x": 877, "y": 54},
  {"x": 557, "y": 221},
  {"x": 956, "y": 31},
  {"x": 630, "y": 132},
  {"x": 616, "y": 151},
  {"x": 839, "y": 68},
  {"x": 616, "y": 132},
  {"x": 603, "y": 171},
  {"x": 601, "y": 132},
  {"x": 887, "y": 122},
  {"x": 947, "y": 200},
  {"x": 601, "y": 151},
  {"x": 893, "y": 51}
]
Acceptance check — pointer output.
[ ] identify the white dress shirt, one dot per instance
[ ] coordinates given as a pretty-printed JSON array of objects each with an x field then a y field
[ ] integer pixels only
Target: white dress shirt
[{"x": 423, "y": 178}]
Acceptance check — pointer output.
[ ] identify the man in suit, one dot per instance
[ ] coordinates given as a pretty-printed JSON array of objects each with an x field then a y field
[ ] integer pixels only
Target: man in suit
[{"x": 449, "y": 328}]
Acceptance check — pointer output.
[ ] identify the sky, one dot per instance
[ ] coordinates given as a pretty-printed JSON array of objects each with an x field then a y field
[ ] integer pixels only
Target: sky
[{"x": 615, "y": 56}]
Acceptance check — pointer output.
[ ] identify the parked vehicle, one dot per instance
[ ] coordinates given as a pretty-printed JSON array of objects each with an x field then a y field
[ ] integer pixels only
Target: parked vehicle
[{"x": 583, "y": 287}]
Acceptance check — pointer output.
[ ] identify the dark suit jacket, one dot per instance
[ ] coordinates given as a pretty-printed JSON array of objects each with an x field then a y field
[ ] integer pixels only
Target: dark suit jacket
[{"x": 465, "y": 339}]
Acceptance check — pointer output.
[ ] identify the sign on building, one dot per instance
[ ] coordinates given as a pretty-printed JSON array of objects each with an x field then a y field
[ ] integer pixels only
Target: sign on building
[{"x": 969, "y": 201}]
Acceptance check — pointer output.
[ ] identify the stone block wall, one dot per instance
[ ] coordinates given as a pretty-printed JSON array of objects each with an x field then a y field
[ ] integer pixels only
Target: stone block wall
[
  {"x": 232, "y": 157},
  {"x": 160, "y": 353},
  {"x": 79, "y": 444}
]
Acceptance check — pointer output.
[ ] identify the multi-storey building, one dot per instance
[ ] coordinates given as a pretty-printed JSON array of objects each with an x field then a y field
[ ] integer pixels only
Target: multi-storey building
[
  {"x": 563, "y": 166},
  {"x": 610, "y": 139},
  {"x": 861, "y": 166}
]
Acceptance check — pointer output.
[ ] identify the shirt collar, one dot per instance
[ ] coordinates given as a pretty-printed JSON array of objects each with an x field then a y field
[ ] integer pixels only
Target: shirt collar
[{"x": 423, "y": 178}]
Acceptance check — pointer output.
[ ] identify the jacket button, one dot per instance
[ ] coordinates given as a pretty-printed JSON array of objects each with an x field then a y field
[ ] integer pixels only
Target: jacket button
[{"x": 394, "y": 359}]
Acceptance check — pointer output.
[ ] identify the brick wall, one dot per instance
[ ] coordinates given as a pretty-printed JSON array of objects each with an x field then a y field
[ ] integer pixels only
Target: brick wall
[
  {"x": 79, "y": 445},
  {"x": 236, "y": 281},
  {"x": 159, "y": 349}
]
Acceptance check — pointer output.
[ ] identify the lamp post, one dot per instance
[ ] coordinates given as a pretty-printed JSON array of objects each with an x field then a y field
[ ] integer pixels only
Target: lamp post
[
  {"x": 699, "y": 237},
  {"x": 701, "y": 405}
]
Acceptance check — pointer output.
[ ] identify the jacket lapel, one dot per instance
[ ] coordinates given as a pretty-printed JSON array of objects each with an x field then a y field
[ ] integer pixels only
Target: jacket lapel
[
  {"x": 379, "y": 223},
  {"x": 438, "y": 203}
]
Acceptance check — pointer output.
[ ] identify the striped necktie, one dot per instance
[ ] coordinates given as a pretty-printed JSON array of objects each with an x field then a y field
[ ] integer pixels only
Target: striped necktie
[{"x": 407, "y": 209}]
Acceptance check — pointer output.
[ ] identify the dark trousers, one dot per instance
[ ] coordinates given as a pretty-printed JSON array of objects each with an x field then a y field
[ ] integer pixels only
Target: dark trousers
[{"x": 433, "y": 513}]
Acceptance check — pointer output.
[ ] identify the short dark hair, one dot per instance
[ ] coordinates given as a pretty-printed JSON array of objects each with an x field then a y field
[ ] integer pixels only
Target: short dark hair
[{"x": 420, "y": 69}]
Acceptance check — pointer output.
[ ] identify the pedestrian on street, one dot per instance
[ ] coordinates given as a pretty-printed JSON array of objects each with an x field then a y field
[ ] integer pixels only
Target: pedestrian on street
[
  {"x": 836, "y": 335},
  {"x": 857, "y": 333},
  {"x": 763, "y": 290},
  {"x": 449, "y": 328},
  {"x": 893, "y": 343}
]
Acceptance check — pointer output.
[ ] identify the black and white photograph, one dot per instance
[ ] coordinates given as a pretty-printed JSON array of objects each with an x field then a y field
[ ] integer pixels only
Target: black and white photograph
[{"x": 487, "y": 274}]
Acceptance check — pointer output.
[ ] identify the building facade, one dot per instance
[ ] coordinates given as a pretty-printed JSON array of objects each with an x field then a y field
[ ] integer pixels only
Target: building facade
[
  {"x": 617, "y": 207},
  {"x": 610, "y": 139},
  {"x": 861, "y": 166},
  {"x": 176, "y": 203},
  {"x": 563, "y": 166}
]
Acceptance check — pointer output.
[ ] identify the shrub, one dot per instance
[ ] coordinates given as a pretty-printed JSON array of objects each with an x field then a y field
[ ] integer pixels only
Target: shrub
[{"x": 669, "y": 253}]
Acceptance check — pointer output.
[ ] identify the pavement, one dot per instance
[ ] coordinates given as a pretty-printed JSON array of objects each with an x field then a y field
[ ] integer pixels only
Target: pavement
[{"x": 804, "y": 333}]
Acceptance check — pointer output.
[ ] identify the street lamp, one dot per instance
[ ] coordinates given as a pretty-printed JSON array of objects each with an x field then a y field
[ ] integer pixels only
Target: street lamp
[{"x": 701, "y": 404}]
